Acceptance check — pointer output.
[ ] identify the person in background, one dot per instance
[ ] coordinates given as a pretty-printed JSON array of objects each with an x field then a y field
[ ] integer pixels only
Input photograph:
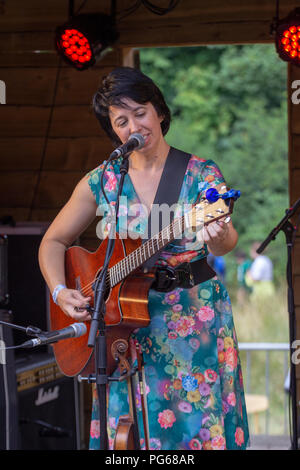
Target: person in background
[
  {"x": 219, "y": 265},
  {"x": 260, "y": 275},
  {"x": 244, "y": 264}
]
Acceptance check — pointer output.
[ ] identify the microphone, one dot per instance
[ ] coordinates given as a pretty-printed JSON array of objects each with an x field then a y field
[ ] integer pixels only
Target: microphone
[
  {"x": 73, "y": 331},
  {"x": 135, "y": 141}
]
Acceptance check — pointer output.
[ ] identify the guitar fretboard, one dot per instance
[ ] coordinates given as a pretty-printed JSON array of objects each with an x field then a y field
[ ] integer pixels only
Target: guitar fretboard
[
  {"x": 200, "y": 214},
  {"x": 138, "y": 257}
]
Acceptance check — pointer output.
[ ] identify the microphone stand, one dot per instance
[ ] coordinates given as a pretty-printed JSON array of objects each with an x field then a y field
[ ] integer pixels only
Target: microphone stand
[
  {"x": 29, "y": 330},
  {"x": 98, "y": 324},
  {"x": 289, "y": 230}
]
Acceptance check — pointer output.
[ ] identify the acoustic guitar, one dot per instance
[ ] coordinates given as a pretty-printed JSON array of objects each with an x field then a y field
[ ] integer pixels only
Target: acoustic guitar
[{"x": 126, "y": 297}]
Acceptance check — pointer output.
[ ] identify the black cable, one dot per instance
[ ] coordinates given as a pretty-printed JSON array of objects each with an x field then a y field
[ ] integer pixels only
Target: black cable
[
  {"x": 80, "y": 7},
  {"x": 46, "y": 139},
  {"x": 128, "y": 11},
  {"x": 157, "y": 10},
  {"x": 11, "y": 347},
  {"x": 99, "y": 277},
  {"x": 160, "y": 10}
]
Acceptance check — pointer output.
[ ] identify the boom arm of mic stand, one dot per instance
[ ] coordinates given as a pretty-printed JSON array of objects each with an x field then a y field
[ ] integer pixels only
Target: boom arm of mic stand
[
  {"x": 272, "y": 235},
  {"x": 287, "y": 227},
  {"x": 28, "y": 330}
]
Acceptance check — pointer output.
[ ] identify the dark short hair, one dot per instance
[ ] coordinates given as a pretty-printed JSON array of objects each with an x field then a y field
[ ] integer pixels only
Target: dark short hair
[{"x": 128, "y": 82}]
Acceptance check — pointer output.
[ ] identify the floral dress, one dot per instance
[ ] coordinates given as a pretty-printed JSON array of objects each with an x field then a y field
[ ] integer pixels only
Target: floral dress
[{"x": 194, "y": 384}]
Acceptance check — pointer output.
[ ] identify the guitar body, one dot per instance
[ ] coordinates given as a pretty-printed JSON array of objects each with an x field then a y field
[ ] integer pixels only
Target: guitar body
[{"x": 126, "y": 305}]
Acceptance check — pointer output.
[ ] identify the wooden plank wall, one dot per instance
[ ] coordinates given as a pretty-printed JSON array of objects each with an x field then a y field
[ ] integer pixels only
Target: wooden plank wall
[
  {"x": 49, "y": 136},
  {"x": 294, "y": 187},
  {"x": 195, "y": 22}
]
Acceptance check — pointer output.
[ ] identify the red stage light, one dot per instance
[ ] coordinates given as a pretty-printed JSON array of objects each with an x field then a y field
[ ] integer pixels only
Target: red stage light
[
  {"x": 288, "y": 37},
  {"x": 82, "y": 40},
  {"x": 78, "y": 53}
]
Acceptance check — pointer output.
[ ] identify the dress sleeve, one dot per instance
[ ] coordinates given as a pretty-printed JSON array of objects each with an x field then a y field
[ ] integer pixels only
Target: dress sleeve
[
  {"x": 210, "y": 176},
  {"x": 94, "y": 177},
  {"x": 110, "y": 182}
]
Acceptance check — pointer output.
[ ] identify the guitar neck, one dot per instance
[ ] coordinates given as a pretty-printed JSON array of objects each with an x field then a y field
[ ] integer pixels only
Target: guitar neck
[
  {"x": 203, "y": 213},
  {"x": 138, "y": 257}
]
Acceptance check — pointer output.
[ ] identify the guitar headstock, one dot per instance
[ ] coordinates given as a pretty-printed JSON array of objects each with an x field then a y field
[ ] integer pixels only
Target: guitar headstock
[{"x": 213, "y": 206}]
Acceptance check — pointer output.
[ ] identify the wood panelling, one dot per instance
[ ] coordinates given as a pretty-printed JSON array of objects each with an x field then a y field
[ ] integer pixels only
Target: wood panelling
[
  {"x": 67, "y": 154},
  {"x": 29, "y": 86},
  {"x": 79, "y": 87},
  {"x": 194, "y": 33},
  {"x": 37, "y": 15},
  {"x": 294, "y": 191},
  {"x": 295, "y": 118},
  {"x": 16, "y": 188},
  {"x": 295, "y": 152},
  {"x": 34, "y": 86},
  {"x": 23, "y": 153},
  {"x": 297, "y": 290},
  {"x": 199, "y": 22},
  {"x": 36, "y": 49},
  {"x": 55, "y": 188},
  {"x": 23, "y": 121},
  {"x": 295, "y": 185},
  {"x": 31, "y": 48},
  {"x": 296, "y": 257},
  {"x": 74, "y": 121},
  {"x": 79, "y": 154}
]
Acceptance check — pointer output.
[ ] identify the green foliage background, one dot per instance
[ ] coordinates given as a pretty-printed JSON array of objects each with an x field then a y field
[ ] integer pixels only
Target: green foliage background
[{"x": 229, "y": 103}]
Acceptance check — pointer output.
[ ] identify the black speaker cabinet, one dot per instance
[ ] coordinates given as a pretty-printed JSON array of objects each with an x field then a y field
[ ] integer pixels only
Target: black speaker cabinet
[
  {"x": 28, "y": 297},
  {"x": 48, "y": 405},
  {"x": 8, "y": 388},
  {"x": 39, "y": 406}
]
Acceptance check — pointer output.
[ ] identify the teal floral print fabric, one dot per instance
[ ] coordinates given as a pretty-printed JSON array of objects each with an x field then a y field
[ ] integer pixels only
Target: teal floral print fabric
[{"x": 194, "y": 384}]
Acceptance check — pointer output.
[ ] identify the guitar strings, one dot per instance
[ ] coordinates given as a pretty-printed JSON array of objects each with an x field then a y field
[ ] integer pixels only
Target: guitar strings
[
  {"x": 123, "y": 265},
  {"x": 115, "y": 272}
]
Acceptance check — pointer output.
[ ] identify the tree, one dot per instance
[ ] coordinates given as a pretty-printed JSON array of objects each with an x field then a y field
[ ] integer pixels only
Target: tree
[{"x": 229, "y": 104}]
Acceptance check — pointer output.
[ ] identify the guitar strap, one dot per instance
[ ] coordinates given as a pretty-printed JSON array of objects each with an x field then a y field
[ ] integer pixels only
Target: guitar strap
[{"x": 168, "y": 191}]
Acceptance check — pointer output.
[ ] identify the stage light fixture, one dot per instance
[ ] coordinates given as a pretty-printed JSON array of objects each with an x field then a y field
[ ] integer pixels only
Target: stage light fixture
[
  {"x": 288, "y": 37},
  {"x": 82, "y": 40}
]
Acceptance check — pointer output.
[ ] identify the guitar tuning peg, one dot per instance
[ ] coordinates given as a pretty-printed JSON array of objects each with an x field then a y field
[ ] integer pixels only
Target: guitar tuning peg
[
  {"x": 212, "y": 195},
  {"x": 231, "y": 194}
]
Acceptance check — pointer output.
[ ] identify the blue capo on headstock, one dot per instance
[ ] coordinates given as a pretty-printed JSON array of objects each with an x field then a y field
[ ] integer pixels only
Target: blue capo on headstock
[{"x": 212, "y": 195}]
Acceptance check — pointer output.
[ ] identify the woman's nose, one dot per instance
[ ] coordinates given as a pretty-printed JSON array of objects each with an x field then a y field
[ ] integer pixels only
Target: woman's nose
[{"x": 134, "y": 126}]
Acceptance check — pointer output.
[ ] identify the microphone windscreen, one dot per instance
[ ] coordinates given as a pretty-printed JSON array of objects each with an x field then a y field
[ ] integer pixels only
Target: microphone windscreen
[
  {"x": 139, "y": 138},
  {"x": 80, "y": 329}
]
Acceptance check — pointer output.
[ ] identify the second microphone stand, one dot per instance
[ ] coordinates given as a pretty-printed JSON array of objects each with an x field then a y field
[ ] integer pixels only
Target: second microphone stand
[{"x": 289, "y": 230}]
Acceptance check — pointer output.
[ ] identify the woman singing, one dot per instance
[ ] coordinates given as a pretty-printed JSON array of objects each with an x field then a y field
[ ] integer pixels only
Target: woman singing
[{"x": 194, "y": 385}]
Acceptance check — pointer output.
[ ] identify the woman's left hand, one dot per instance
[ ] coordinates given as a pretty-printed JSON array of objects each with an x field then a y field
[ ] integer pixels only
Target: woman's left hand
[
  {"x": 216, "y": 231},
  {"x": 216, "y": 234}
]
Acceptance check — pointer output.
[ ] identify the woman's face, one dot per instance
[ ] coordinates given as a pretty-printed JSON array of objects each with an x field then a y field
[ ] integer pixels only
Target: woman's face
[{"x": 137, "y": 118}]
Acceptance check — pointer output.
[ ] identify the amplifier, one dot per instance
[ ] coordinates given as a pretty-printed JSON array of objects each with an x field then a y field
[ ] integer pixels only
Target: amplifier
[
  {"x": 21, "y": 282},
  {"x": 48, "y": 405},
  {"x": 8, "y": 387}
]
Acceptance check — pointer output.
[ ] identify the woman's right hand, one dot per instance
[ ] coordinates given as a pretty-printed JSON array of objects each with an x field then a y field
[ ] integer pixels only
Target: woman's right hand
[{"x": 74, "y": 304}]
